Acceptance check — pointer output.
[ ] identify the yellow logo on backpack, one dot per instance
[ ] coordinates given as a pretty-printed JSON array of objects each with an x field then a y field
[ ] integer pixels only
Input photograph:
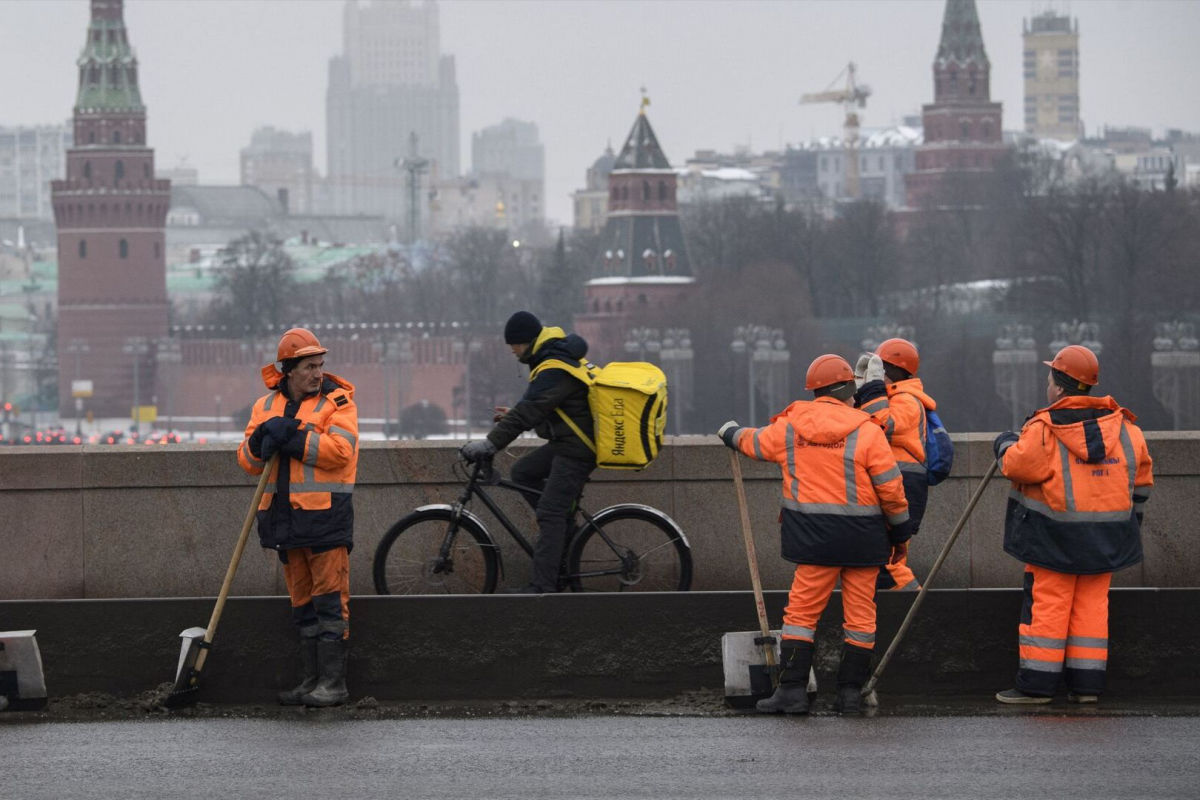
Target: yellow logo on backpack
[{"x": 628, "y": 400}]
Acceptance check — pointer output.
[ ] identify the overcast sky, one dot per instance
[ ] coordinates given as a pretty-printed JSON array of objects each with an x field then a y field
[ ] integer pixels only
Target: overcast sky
[{"x": 720, "y": 73}]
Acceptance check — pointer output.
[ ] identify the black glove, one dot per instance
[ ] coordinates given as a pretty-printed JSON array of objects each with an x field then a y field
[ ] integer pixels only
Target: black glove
[
  {"x": 728, "y": 431},
  {"x": 475, "y": 452},
  {"x": 1003, "y": 442},
  {"x": 280, "y": 428},
  {"x": 255, "y": 441},
  {"x": 269, "y": 447}
]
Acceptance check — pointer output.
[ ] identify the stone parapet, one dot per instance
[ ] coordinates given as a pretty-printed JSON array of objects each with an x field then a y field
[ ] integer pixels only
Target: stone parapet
[{"x": 146, "y": 521}]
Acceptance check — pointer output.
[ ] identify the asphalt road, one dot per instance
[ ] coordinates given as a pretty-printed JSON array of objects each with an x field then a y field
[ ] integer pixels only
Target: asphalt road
[{"x": 314, "y": 756}]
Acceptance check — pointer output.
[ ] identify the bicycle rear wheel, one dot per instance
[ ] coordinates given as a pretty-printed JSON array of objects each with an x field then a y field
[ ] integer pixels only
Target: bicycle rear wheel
[
  {"x": 409, "y": 559},
  {"x": 630, "y": 549}
]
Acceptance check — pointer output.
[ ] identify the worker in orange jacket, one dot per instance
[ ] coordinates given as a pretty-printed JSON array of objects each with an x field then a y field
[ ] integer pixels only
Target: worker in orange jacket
[
  {"x": 890, "y": 391},
  {"x": 844, "y": 515},
  {"x": 1080, "y": 475},
  {"x": 309, "y": 419}
]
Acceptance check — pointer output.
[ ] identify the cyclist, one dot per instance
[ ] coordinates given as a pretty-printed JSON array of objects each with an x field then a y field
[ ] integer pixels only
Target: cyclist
[{"x": 559, "y": 468}]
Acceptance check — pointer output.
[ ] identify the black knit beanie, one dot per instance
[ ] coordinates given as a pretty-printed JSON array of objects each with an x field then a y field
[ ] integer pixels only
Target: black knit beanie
[{"x": 522, "y": 328}]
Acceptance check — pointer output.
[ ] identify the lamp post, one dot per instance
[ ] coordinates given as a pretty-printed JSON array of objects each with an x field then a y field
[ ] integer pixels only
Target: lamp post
[
  {"x": 755, "y": 342},
  {"x": 217, "y": 398},
  {"x": 77, "y": 348},
  {"x": 466, "y": 348},
  {"x": 138, "y": 347},
  {"x": 677, "y": 361},
  {"x": 1015, "y": 367},
  {"x": 645, "y": 342},
  {"x": 1175, "y": 367},
  {"x": 170, "y": 352}
]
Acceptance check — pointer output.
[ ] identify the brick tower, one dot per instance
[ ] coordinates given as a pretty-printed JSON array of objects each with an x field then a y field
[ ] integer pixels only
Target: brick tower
[
  {"x": 111, "y": 216},
  {"x": 963, "y": 136},
  {"x": 643, "y": 266}
]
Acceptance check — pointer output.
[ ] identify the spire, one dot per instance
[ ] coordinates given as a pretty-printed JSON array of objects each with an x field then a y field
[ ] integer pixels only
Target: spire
[
  {"x": 107, "y": 65},
  {"x": 641, "y": 149},
  {"x": 962, "y": 40}
]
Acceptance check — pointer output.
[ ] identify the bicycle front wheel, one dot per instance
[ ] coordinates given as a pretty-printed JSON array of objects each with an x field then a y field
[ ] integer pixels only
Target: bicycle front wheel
[
  {"x": 425, "y": 553},
  {"x": 630, "y": 549}
]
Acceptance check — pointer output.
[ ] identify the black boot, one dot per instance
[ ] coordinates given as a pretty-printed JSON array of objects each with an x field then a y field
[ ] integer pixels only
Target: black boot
[
  {"x": 331, "y": 687},
  {"x": 852, "y": 674},
  {"x": 792, "y": 695},
  {"x": 309, "y": 673}
]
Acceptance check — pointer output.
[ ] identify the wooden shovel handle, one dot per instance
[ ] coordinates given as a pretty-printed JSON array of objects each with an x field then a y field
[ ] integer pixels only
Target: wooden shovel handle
[
  {"x": 751, "y": 556},
  {"x": 233, "y": 562}
]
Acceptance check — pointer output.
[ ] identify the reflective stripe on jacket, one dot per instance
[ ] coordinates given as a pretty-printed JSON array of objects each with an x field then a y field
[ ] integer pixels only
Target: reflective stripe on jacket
[
  {"x": 901, "y": 414},
  {"x": 321, "y": 461},
  {"x": 1080, "y": 474},
  {"x": 841, "y": 486}
]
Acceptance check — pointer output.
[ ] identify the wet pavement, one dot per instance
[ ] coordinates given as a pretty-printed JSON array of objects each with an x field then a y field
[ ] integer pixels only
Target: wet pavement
[{"x": 687, "y": 748}]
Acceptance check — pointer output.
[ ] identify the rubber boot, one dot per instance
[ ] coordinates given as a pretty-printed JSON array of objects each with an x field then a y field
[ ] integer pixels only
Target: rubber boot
[
  {"x": 852, "y": 674},
  {"x": 309, "y": 673},
  {"x": 791, "y": 696},
  {"x": 331, "y": 687}
]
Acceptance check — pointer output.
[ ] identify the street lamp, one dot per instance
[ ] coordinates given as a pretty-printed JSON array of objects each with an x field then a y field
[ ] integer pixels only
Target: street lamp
[
  {"x": 1175, "y": 367},
  {"x": 77, "y": 348},
  {"x": 465, "y": 348},
  {"x": 643, "y": 341},
  {"x": 138, "y": 347},
  {"x": 755, "y": 342},
  {"x": 1015, "y": 367},
  {"x": 217, "y": 398},
  {"x": 677, "y": 362},
  {"x": 170, "y": 352}
]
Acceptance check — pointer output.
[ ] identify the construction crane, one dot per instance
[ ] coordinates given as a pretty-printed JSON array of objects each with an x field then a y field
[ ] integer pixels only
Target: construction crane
[{"x": 853, "y": 95}]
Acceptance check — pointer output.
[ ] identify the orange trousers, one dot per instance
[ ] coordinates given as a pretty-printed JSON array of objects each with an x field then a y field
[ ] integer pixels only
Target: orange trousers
[
  {"x": 812, "y": 586},
  {"x": 897, "y": 577},
  {"x": 319, "y": 587},
  {"x": 1063, "y": 632}
]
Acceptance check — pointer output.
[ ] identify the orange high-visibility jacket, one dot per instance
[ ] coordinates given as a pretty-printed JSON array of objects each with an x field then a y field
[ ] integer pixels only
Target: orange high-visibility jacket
[
  {"x": 1080, "y": 475},
  {"x": 314, "y": 508},
  {"x": 901, "y": 413},
  {"x": 843, "y": 502}
]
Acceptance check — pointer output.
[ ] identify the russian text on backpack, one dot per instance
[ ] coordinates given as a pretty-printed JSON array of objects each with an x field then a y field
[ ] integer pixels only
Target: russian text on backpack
[
  {"x": 628, "y": 401},
  {"x": 939, "y": 450}
]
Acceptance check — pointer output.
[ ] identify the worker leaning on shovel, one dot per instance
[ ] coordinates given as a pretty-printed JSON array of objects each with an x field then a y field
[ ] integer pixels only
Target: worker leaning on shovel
[
  {"x": 310, "y": 420},
  {"x": 844, "y": 516},
  {"x": 1081, "y": 475}
]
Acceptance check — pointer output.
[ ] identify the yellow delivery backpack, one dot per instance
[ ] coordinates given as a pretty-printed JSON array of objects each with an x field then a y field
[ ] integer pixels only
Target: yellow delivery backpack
[{"x": 628, "y": 400}]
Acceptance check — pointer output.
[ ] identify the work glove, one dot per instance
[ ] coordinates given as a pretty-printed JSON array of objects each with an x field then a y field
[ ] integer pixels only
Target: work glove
[
  {"x": 498, "y": 413},
  {"x": 280, "y": 428},
  {"x": 899, "y": 551},
  {"x": 1003, "y": 442},
  {"x": 727, "y": 432},
  {"x": 478, "y": 451},
  {"x": 869, "y": 368}
]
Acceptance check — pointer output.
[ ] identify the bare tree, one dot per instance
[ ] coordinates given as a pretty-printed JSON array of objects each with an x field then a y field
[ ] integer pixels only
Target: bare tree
[{"x": 255, "y": 288}]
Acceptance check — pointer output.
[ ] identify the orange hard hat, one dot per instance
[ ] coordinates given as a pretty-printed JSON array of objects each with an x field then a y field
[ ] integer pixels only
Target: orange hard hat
[
  {"x": 298, "y": 343},
  {"x": 900, "y": 352},
  {"x": 1079, "y": 362},
  {"x": 827, "y": 370}
]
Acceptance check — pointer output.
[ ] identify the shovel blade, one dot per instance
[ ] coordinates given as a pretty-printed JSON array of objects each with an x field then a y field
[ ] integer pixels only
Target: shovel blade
[{"x": 187, "y": 675}]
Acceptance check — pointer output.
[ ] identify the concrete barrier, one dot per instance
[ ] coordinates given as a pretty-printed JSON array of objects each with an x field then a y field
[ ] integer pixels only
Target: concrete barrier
[
  {"x": 144, "y": 521},
  {"x": 963, "y": 643}
]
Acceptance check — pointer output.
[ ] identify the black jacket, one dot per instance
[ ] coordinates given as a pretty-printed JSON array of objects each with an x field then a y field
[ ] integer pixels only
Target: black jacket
[{"x": 551, "y": 389}]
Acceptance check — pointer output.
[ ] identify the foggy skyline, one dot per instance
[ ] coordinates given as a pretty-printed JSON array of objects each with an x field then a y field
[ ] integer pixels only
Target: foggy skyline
[{"x": 720, "y": 75}]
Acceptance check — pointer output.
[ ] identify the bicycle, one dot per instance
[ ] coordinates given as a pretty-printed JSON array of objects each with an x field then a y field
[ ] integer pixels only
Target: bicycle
[{"x": 447, "y": 548}]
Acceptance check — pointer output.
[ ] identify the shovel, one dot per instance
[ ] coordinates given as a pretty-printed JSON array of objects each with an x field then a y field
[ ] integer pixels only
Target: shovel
[
  {"x": 868, "y": 691},
  {"x": 751, "y": 658},
  {"x": 197, "y": 641}
]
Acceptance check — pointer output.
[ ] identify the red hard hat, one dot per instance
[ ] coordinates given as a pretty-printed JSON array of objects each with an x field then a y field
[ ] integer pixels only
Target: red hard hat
[
  {"x": 298, "y": 343},
  {"x": 827, "y": 370},
  {"x": 1079, "y": 362},
  {"x": 900, "y": 352}
]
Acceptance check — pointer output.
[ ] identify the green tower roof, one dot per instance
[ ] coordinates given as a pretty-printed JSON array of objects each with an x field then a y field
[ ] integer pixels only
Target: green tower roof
[
  {"x": 107, "y": 65},
  {"x": 962, "y": 39}
]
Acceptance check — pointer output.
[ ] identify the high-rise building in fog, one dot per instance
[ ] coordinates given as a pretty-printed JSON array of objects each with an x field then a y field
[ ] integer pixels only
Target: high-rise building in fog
[
  {"x": 281, "y": 164},
  {"x": 30, "y": 157},
  {"x": 111, "y": 213},
  {"x": 1051, "y": 58},
  {"x": 390, "y": 82},
  {"x": 511, "y": 151}
]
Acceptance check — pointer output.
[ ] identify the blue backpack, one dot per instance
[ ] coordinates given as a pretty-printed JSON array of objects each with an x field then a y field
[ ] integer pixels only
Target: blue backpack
[{"x": 939, "y": 450}]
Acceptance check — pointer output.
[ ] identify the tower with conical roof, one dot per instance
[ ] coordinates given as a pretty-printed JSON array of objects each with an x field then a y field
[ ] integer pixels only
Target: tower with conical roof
[
  {"x": 643, "y": 266},
  {"x": 963, "y": 137},
  {"x": 111, "y": 216}
]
